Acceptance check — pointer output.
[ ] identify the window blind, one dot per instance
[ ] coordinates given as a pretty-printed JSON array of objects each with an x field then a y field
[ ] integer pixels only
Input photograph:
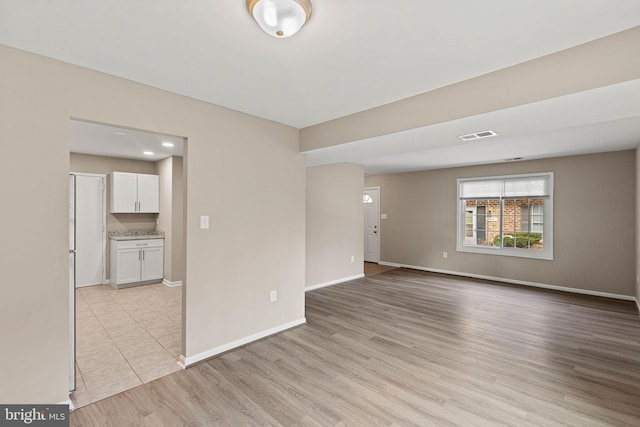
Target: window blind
[{"x": 533, "y": 186}]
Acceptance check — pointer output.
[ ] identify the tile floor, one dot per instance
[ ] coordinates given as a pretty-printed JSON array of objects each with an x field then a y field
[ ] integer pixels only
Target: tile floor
[{"x": 125, "y": 338}]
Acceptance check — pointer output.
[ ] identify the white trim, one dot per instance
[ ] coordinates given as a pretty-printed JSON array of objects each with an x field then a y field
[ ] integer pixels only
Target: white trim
[
  {"x": 67, "y": 402},
  {"x": 333, "y": 282},
  {"x": 185, "y": 362},
  {"x": 515, "y": 282},
  {"x": 545, "y": 254},
  {"x": 97, "y": 175},
  {"x": 171, "y": 284},
  {"x": 182, "y": 361}
]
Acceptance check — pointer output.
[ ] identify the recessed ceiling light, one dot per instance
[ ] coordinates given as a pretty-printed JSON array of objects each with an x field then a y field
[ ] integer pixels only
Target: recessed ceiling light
[
  {"x": 148, "y": 153},
  {"x": 167, "y": 144},
  {"x": 477, "y": 135},
  {"x": 118, "y": 132},
  {"x": 514, "y": 159}
]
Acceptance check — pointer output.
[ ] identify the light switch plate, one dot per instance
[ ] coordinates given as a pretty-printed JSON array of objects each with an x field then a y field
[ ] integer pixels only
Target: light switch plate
[{"x": 204, "y": 222}]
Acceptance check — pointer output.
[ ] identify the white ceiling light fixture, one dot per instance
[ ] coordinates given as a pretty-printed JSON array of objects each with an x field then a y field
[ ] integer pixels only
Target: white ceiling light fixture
[
  {"x": 148, "y": 153},
  {"x": 280, "y": 18}
]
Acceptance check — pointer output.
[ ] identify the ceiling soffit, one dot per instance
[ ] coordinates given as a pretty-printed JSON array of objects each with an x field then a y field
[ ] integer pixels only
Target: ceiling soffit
[{"x": 599, "y": 63}]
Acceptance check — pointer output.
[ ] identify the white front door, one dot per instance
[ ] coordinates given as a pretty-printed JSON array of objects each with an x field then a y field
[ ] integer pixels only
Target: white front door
[
  {"x": 89, "y": 228},
  {"x": 371, "y": 202}
]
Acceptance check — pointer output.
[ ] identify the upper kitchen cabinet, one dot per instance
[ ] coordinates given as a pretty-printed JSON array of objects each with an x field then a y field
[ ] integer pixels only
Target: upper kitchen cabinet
[{"x": 134, "y": 193}]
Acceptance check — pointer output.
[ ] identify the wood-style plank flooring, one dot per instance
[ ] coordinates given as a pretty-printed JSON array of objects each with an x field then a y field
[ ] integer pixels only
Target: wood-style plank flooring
[{"x": 410, "y": 348}]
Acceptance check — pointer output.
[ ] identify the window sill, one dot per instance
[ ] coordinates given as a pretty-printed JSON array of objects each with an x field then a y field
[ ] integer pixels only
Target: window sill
[{"x": 519, "y": 253}]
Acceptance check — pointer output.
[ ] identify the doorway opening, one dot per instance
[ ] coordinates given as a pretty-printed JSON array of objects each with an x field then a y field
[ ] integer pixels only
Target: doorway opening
[{"x": 126, "y": 333}]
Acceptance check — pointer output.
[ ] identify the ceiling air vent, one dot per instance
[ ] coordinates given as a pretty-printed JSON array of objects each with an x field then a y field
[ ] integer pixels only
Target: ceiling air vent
[{"x": 477, "y": 135}]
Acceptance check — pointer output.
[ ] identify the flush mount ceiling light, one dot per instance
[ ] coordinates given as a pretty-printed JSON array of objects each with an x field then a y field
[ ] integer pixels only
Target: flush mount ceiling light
[{"x": 280, "y": 18}]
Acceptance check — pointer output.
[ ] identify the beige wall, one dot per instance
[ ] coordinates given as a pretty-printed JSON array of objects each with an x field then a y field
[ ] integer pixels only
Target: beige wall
[
  {"x": 177, "y": 222},
  {"x": 637, "y": 277},
  {"x": 594, "y": 207},
  {"x": 165, "y": 221},
  {"x": 335, "y": 223},
  {"x": 170, "y": 218},
  {"x": 245, "y": 172}
]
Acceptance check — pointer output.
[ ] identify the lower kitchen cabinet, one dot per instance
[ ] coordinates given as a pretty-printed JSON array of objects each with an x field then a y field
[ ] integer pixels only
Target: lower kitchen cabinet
[{"x": 136, "y": 262}]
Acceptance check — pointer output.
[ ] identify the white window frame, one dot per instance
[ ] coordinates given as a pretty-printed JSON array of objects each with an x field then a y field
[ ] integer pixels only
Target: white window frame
[{"x": 546, "y": 253}]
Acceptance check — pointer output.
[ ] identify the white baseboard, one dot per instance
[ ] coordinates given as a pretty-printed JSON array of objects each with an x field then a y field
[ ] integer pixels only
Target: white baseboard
[
  {"x": 171, "y": 284},
  {"x": 182, "y": 361},
  {"x": 333, "y": 282},
  {"x": 67, "y": 402},
  {"x": 185, "y": 362},
  {"x": 515, "y": 282}
]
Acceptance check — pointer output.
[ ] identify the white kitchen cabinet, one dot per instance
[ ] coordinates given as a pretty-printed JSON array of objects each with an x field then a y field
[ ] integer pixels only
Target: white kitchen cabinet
[
  {"x": 152, "y": 267},
  {"x": 134, "y": 193},
  {"x": 136, "y": 262}
]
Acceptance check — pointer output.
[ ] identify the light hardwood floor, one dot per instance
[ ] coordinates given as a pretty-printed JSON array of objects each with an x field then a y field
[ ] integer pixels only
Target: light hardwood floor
[{"x": 412, "y": 348}]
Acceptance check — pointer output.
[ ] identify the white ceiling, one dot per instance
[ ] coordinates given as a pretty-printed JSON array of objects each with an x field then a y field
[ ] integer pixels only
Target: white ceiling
[
  {"x": 351, "y": 56},
  {"x": 599, "y": 120},
  {"x": 102, "y": 140}
]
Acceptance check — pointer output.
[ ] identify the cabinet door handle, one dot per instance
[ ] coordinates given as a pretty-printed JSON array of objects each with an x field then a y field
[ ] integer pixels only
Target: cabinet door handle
[
  {"x": 142, "y": 254},
  {"x": 139, "y": 259}
]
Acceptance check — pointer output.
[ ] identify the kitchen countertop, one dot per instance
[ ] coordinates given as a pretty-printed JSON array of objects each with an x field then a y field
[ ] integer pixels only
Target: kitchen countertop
[{"x": 136, "y": 235}]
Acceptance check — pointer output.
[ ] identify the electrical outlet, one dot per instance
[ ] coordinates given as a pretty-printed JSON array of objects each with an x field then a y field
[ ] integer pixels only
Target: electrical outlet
[
  {"x": 274, "y": 296},
  {"x": 444, "y": 254},
  {"x": 353, "y": 258}
]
